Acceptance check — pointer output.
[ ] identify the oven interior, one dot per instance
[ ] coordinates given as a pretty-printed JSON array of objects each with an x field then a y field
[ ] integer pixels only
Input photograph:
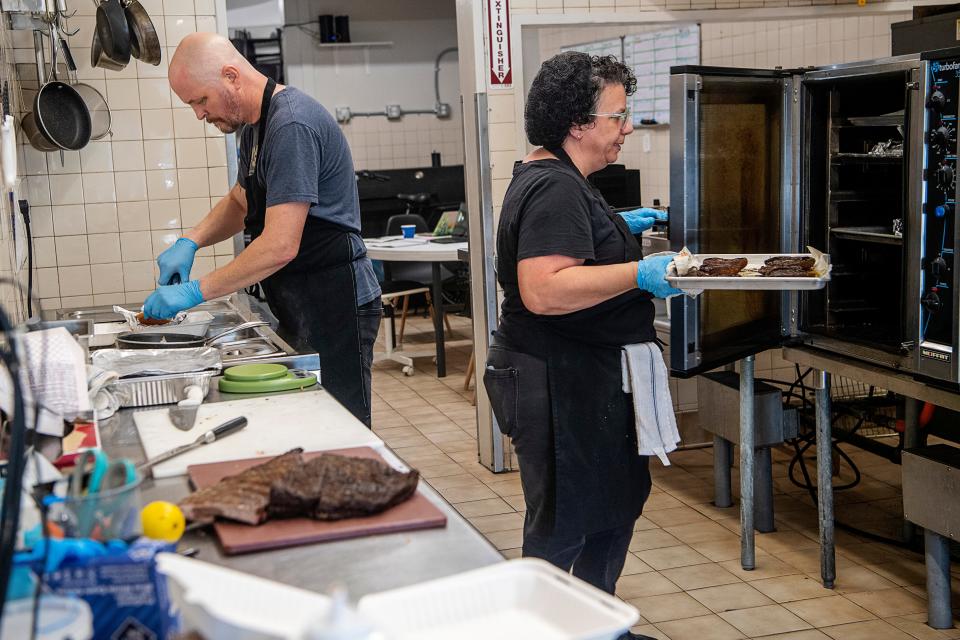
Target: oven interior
[{"x": 854, "y": 181}]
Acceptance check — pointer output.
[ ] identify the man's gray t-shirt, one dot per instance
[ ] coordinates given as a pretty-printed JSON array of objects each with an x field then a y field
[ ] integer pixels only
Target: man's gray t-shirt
[{"x": 306, "y": 159}]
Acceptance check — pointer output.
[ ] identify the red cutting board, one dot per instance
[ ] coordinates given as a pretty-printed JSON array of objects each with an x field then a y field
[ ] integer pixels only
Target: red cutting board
[{"x": 415, "y": 513}]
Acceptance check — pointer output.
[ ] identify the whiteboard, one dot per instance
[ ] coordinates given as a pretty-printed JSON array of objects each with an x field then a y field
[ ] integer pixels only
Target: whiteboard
[
  {"x": 612, "y": 47},
  {"x": 650, "y": 55}
]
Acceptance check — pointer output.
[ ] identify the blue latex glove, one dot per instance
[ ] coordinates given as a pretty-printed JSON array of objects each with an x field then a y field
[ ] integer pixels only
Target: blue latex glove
[
  {"x": 639, "y": 220},
  {"x": 167, "y": 301},
  {"x": 175, "y": 263},
  {"x": 650, "y": 276}
]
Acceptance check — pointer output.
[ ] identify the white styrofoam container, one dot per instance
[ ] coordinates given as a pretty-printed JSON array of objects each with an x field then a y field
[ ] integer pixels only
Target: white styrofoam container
[
  {"x": 526, "y": 598},
  {"x": 223, "y": 604}
]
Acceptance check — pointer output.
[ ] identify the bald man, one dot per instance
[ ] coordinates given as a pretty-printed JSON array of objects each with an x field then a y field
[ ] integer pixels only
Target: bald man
[{"x": 296, "y": 195}]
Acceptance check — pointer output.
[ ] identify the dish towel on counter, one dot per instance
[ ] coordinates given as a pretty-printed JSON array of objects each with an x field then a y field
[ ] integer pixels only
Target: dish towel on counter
[{"x": 645, "y": 376}]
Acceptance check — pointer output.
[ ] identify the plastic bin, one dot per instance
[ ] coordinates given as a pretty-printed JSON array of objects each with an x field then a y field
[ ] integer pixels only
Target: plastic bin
[
  {"x": 60, "y": 618},
  {"x": 223, "y": 604},
  {"x": 113, "y": 514},
  {"x": 525, "y": 598}
]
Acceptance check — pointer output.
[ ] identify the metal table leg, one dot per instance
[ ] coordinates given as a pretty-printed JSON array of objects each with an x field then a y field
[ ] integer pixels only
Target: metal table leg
[
  {"x": 763, "y": 490},
  {"x": 911, "y": 440},
  {"x": 828, "y": 570},
  {"x": 937, "y": 552},
  {"x": 438, "y": 321},
  {"x": 747, "y": 452},
  {"x": 722, "y": 453}
]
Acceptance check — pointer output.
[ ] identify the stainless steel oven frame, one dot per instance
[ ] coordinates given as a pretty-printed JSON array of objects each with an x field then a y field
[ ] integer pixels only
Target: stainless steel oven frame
[{"x": 689, "y": 354}]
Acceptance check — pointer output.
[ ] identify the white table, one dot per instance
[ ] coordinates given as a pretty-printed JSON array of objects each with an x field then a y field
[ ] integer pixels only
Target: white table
[{"x": 420, "y": 249}]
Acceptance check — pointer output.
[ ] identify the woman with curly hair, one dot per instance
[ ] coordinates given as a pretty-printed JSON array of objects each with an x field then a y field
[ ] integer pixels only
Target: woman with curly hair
[{"x": 575, "y": 291}]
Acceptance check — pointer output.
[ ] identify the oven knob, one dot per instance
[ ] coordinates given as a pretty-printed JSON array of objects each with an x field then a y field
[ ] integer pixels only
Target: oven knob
[
  {"x": 936, "y": 100},
  {"x": 938, "y": 266},
  {"x": 945, "y": 177},
  {"x": 931, "y": 302},
  {"x": 939, "y": 136}
]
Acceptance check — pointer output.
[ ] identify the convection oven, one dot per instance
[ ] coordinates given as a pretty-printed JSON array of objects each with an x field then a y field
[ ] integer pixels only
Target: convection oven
[{"x": 857, "y": 160}]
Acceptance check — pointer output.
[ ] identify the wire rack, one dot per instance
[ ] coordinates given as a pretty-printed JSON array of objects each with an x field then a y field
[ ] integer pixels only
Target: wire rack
[{"x": 869, "y": 411}]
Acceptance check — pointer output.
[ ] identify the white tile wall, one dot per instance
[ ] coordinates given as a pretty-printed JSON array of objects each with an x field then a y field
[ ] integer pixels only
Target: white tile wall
[
  {"x": 378, "y": 143},
  {"x": 101, "y": 216}
]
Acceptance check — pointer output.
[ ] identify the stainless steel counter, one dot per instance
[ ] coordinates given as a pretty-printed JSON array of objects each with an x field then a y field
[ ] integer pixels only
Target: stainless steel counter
[{"x": 364, "y": 565}]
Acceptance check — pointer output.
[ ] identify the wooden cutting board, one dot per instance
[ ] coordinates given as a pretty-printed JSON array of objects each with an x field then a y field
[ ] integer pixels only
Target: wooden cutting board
[{"x": 416, "y": 513}]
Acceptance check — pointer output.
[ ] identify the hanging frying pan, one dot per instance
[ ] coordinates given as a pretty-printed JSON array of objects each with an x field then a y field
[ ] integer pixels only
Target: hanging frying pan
[
  {"x": 28, "y": 124},
  {"x": 59, "y": 113},
  {"x": 113, "y": 31},
  {"x": 144, "y": 42}
]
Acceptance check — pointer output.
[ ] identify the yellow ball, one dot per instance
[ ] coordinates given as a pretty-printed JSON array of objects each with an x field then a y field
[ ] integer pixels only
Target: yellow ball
[{"x": 162, "y": 521}]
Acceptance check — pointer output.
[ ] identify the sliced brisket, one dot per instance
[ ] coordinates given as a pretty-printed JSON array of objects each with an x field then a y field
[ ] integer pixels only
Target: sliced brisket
[
  {"x": 243, "y": 497},
  {"x": 333, "y": 487}
]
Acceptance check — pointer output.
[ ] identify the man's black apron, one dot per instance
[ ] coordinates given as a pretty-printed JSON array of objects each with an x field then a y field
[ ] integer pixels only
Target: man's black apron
[
  {"x": 559, "y": 396},
  {"x": 314, "y": 295}
]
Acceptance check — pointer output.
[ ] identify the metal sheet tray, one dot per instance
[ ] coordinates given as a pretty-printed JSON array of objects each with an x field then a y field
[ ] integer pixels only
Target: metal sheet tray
[{"x": 749, "y": 283}]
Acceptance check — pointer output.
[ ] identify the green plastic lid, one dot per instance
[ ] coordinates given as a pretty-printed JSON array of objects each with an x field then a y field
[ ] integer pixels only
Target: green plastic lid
[
  {"x": 287, "y": 382},
  {"x": 251, "y": 372}
]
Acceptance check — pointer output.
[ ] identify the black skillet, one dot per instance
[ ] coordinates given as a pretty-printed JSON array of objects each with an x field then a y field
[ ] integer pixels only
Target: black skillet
[
  {"x": 158, "y": 340},
  {"x": 113, "y": 32},
  {"x": 147, "y": 340},
  {"x": 59, "y": 111}
]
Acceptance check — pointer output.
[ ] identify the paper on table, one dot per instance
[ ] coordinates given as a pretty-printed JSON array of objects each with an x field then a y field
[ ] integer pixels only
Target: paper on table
[{"x": 395, "y": 242}]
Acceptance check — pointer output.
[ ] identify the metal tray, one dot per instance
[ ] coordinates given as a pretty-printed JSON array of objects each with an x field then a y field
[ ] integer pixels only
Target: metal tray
[
  {"x": 154, "y": 390},
  {"x": 740, "y": 283}
]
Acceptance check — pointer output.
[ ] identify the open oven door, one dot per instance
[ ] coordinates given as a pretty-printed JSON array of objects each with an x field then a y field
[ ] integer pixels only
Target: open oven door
[{"x": 733, "y": 160}]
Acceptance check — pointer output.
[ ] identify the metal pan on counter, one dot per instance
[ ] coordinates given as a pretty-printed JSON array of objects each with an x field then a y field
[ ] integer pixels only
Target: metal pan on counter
[{"x": 155, "y": 340}]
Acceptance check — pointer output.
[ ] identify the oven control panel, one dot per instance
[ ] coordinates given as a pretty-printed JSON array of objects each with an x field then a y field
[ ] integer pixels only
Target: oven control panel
[{"x": 937, "y": 297}]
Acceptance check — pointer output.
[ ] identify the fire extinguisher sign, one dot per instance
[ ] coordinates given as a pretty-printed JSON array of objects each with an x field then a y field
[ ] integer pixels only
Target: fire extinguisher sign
[{"x": 498, "y": 26}]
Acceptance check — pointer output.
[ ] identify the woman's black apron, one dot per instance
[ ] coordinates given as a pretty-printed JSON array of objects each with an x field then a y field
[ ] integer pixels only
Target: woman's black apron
[
  {"x": 557, "y": 392},
  {"x": 314, "y": 295}
]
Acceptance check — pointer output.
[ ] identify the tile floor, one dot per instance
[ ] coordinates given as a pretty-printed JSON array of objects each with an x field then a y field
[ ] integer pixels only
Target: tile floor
[{"x": 683, "y": 572}]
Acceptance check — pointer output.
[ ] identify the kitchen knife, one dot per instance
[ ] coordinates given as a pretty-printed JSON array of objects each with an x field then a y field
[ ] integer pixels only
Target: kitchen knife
[
  {"x": 208, "y": 437},
  {"x": 185, "y": 413}
]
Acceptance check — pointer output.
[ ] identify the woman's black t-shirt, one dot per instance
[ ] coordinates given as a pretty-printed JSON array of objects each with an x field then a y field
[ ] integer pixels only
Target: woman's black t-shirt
[{"x": 550, "y": 209}]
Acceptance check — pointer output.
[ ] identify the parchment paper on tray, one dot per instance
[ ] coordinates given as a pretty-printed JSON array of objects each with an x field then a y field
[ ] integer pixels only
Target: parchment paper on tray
[
  {"x": 157, "y": 362},
  {"x": 688, "y": 271},
  {"x": 191, "y": 322}
]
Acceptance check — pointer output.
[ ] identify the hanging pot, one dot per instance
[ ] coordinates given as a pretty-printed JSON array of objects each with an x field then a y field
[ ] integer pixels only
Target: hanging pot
[
  {"x": 100, "y": 119},
  {"x": 99, "y": 58},
  {"x": 144, "y": 41}
]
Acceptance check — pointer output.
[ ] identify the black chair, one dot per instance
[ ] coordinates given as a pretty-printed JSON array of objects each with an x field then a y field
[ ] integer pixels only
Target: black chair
[{"x": 395, "y": 222}]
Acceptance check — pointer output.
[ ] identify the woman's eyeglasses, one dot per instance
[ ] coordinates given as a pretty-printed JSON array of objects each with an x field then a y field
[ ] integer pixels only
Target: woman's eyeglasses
[{"x": 622, "y": 116}]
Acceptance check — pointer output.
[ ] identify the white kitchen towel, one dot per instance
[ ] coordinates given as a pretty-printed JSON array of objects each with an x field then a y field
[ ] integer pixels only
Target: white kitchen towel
[{"x": 645, "y": 376}]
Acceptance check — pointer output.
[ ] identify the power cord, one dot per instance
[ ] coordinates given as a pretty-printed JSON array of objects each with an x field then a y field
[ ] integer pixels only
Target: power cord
[{"x": 802, "y": 443}]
